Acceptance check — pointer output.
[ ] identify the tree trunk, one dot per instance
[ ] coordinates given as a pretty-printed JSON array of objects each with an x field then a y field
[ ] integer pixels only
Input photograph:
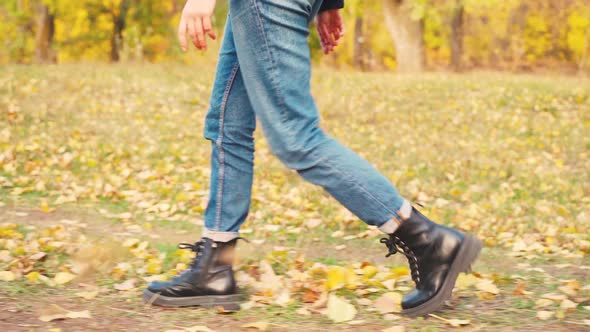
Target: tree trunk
[
  {"x": 357, "y": 57},
  {"x": 119, "y": 23},
  {"x": 44, "y": 35},
  {"x": 407, "y": 35},
  {"x": 457, "y": 35}
]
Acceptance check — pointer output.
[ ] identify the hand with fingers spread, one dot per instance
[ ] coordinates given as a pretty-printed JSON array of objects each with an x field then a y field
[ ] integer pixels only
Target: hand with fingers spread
[
  {"x": 330, "y": 29},
  {"x": 195, "y": 24}
]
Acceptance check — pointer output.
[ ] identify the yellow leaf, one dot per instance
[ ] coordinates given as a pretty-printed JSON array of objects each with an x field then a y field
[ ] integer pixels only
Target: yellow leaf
[
  {"x": 544, "y": 315},
  {"x": 336, "y": 278},
  {"x": 87, "y": 295},
  {"x": 369, "y": 271},
  {"x": 33, "y": 276},
  {"x": 259, "y": 325},
  {"x": 464, "y": 281},
  {"x": 7, "y": 276},
  {"x": 339, "y": 310},
  {"x": 487, "y": 286},
  {"x": 400, "y": 271},
  {"x": 62, "y": 278}
]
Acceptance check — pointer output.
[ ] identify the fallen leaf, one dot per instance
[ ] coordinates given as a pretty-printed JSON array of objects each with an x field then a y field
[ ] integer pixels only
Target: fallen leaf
[
  {"x": 568, "y": 305},
  {"x": 87, "y": 295},
  {"x": 7, "y": 276},
  {"x": 397, "y": 328},
  {"x": 259, "y": 325},
  {"x": 458, "y": 322},
  {"x": 464, "y": 281},
  {"x": 545, "y": 315},
  {"x": 56, "y": 312},
  {"x": 541, "y": 303},
  {"x": 488, "y": 286},
  {"x": 198, "y": 328},
  {"x": 554, "y": 297},
  {"x": 303, "y": 312},
  {"x": 126, "y": 285},
  {"x": 62, "y": 278},
  {"x": 389, "y": 303},
  {"x": 340, "y": 310}
]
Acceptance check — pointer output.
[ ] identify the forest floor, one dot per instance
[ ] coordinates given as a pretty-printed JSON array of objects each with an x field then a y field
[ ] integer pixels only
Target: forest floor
[{"x": 104, "y": 170}]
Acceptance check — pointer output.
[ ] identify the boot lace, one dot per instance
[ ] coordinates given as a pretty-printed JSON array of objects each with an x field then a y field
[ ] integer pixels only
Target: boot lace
[
  {"x": 394, "y": 244},
  {"x": 197, "y": 248}
]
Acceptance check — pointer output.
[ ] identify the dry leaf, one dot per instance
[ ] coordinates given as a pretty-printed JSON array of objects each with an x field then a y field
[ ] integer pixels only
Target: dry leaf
[
  {"x": 7, "y": 276},
  {"x": 545, "y": 315},
  {"x": 87, "y": 295},
  {"x": 198, "y": 328},
  {"x": 397, "y": 328},
  {"x": 126, "y": 285},
  {"x": 554, "y": 297},
  {"x": 568, "y": 305},
  {"x": 541, "y": 303},
  {"x": 340, "y": 310},
  {"x": 488, "y": 286},
  {"x": 464, "y": 281},
  {"x": 63, "y": 278},
  {"x": 303, "y": 312},
  {"x": 458, "y": 322},
  {"x": 259, "y": 325},
  {"x": 56, "y": 312},
  {"x": 389, "y": 303}
]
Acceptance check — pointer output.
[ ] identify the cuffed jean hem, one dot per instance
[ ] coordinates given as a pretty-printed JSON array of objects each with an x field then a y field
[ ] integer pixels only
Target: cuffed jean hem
[
  {"x": 404, "y": 212},
  {"x": 218, "y": 236}
]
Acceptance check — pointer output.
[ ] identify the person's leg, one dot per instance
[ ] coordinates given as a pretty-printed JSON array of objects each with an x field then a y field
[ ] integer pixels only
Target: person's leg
[
  {"x": 273, "y": 52},
  {"x": 230, "y": 123},
  {"x": 271, "y": 43}
]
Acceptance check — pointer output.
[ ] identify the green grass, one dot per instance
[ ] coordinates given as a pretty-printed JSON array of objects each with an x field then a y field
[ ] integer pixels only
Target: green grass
[{"x": 503, "y": 156}]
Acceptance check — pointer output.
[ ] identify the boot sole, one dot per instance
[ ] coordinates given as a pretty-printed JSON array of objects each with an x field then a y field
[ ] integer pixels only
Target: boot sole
[
  {"x": 467, "y": 254},
  {"x": 229, "y": 303}
]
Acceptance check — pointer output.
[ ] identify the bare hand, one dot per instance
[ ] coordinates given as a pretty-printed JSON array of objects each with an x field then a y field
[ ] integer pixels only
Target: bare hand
[
  {"x": 330, "y": 29},
  {"x": 195, "y": 23}
]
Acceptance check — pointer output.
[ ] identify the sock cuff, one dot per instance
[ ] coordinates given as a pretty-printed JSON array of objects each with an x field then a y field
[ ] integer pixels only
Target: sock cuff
[
  {"x": 404, "y": 213},
  {"x": 218, "y": 236}
]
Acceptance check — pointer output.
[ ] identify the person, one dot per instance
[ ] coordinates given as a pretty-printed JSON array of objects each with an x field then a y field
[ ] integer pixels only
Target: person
[{"x": 264, "y": 73}]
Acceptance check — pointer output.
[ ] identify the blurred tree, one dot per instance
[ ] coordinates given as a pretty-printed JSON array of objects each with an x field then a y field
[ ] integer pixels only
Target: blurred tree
[
  {"x": 44, "y": 33},
  {"x": 404, "y": 21},
  {"x": 406, "y": 35},
  {"x": 119, "y": 16},
  {"x": 457, "y": 34}
]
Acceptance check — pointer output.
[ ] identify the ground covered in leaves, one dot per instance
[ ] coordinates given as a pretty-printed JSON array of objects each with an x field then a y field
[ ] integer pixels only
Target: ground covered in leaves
[{"x": 103, "y": 169}]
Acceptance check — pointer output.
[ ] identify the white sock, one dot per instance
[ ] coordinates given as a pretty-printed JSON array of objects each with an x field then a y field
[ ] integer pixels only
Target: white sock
[{"x": 393, "y": 224}]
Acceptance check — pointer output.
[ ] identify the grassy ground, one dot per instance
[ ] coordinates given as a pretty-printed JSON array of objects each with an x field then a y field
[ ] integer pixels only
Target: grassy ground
[{"x": 103, "y": 169}]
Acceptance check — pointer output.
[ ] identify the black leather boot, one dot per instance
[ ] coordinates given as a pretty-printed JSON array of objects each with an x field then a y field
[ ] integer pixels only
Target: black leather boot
[
  {"x": 208, "y": 282},
  {"x": 437, "y": 254}
]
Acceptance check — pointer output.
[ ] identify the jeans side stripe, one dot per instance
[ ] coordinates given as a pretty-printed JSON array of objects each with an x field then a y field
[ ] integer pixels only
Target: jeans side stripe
[{"x": 219, "y": 143}]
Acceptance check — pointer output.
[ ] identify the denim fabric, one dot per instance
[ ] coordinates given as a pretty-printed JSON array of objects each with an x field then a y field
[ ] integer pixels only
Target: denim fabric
[{"x": 264, "y": 73}]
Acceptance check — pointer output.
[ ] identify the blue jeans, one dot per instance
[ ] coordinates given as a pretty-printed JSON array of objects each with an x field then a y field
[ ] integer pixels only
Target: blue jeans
[{"x": 264, "y": 73}]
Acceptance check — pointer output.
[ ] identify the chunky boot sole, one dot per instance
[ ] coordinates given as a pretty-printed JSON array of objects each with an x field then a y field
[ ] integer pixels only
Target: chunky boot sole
[
  {"x": 467, "y": 254},
  {"x": 229, "y": 303}
]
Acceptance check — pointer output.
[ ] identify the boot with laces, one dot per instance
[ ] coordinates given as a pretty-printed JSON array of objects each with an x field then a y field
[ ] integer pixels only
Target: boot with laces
[
  {"x": 208, "y": 282},
  {"x": 436, "y": 254}
]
